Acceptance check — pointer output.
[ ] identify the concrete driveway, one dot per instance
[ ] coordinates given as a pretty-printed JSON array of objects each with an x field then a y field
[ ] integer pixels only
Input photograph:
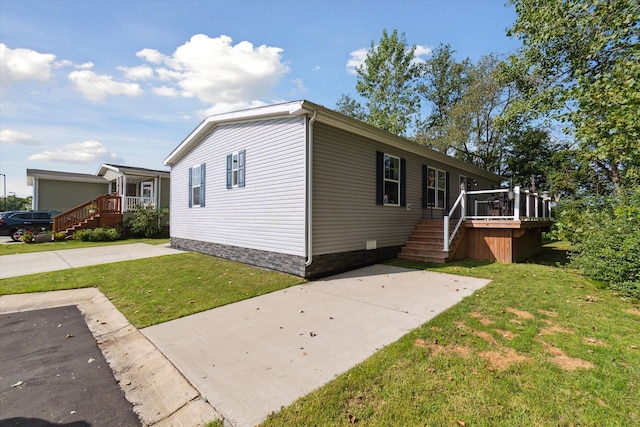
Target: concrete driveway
[
  {"x": 252, "y": 357},
  {"x": 40, "y": 262}
]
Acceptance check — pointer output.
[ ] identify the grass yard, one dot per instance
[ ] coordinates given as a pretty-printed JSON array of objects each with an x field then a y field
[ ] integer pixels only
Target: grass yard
[
  {"x": 22, "y": 248},
  {"x": 155, "y": 290},
  {"x": 540, "y": 345}
]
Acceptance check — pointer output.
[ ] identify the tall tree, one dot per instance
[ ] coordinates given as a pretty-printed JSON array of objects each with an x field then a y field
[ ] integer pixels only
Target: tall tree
[
  {"x": 387, "y": 82},
  {"x": 477, "y": 125},
  {"x": 443, "y": 83},
  {"x": 350, "y": 107},
  {"x": 583, "y": 62}
]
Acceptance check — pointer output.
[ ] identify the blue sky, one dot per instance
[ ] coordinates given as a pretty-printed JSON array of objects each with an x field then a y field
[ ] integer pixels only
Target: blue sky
[{"x": 125, "y": 81}]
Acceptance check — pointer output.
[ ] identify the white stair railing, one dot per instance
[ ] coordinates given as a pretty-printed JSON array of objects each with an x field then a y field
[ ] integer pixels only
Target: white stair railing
[{"x": 449, "y": 236}]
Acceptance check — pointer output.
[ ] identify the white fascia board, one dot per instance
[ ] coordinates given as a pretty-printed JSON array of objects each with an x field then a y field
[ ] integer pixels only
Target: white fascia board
[
  {"x": 259, "y": 113},
  {"x": 103, "y": 166}
]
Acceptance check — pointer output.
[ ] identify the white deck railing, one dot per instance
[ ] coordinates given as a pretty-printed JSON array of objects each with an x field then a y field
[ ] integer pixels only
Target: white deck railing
[
  {"x": 514, "y": 204},
  {"x": 132, "y": 203}
]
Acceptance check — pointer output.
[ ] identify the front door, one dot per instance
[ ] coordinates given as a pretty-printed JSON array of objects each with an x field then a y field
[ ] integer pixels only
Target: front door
[{"x": 147, "y": 189}]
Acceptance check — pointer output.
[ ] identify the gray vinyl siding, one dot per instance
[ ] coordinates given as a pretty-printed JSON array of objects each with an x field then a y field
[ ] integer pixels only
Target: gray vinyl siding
[
  {"x": 165, "y": 192},
  {"x": 269, "y": 212},
  {"x": 345, "y": 214},
  {"x": 64, "y": 195}
]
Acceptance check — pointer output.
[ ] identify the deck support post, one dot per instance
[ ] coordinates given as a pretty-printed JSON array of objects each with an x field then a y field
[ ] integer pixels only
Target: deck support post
[{"x": 516, "y": 202}]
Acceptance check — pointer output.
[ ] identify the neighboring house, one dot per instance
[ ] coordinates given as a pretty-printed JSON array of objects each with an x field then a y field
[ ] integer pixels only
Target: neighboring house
[
  {"x": 62, "y": 191},
  {"x": 117, "y": 189},
  {"x": 302, "y": 189}
]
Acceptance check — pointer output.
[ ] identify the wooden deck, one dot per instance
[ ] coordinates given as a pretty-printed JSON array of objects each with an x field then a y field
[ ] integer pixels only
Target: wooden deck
[{"x": 501, "y": 240}]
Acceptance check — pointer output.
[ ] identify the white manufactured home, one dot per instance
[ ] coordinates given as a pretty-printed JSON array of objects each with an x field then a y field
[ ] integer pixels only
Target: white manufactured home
[{"x": 299, "y": 188}]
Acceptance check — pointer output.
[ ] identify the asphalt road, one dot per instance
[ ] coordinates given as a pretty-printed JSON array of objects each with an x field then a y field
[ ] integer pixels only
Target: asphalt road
[{"x": 44, "y": 356}]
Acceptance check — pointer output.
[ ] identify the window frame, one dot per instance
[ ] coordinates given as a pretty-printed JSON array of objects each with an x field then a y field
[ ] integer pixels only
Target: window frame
[
  {"x": 438, "y": 202},
  {"x": 236, "y": 162},
  {"x": 394, "y": 181},
  {"x": 197, "y": 182}
]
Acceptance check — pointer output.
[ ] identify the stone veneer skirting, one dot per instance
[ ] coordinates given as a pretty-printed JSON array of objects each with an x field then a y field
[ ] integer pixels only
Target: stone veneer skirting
[
  {"x": 327, "y": 264},
  {"x": 272, "y": 260},
  {"x": 322, "y": 265}
]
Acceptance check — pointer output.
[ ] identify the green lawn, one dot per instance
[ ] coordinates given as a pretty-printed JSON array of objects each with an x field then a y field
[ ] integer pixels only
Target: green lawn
[
  {"x": 540, "y": 345},
  {"x": 155, "y": 290},
  {"x": 22, "y": 248}
]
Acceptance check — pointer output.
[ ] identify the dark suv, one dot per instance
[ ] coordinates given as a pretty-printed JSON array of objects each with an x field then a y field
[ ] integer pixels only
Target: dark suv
[{"x": 13, "y": 223}]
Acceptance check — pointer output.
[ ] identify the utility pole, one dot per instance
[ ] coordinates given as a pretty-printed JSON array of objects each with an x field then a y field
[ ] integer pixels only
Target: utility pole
[{"x": 4, "y": 193}]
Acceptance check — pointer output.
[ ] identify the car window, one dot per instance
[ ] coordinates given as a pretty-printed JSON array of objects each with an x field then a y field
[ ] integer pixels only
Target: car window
[
  {"x": 23, "y": 215},
  {"x": 41, "y": 215}
]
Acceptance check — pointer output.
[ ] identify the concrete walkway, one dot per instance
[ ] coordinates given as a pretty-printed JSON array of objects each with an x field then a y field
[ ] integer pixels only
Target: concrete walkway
[
  {"x": 255, "y": 356},
  {"x": 40, "y": 262}
]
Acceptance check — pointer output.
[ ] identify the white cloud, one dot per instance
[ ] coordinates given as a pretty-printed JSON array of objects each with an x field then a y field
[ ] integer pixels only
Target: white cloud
[
  {"x": 298, "y": 87},
  {"x": 141, "y": 72},
  {"x": 356, "y": 60},
  {"x": 17, "y": 137},
  {"x": 316, "y": 68},
  {"x": 218, "y": 72},
  {"x": 420, "y": 52},
  {"x": 166, "y": 91},
  {"x": 152, "y": 55},
  {"x": 358, "y": 57},
  {"x": 89, "y": 151},
  {"x": 24, "y": 64},
  {"x": 96, "y": 87}
]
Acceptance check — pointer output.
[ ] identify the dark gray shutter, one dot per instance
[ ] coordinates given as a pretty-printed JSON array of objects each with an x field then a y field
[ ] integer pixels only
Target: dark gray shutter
[
  {"x": 241, "y": 156},
  {"x": 446, "y": 191},
  {"x": 229, "y": 168},
  {"x": 403, "y": 182},
  {"x": 202, "y": 183},
  {"x": 190, "y": 187},
  {"x": 425, "y": 193},
  {"x": 379, "y": 178}
]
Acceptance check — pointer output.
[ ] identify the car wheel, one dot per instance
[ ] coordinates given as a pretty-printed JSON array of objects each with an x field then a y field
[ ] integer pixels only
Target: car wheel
[{"x": 15, "y": 235}]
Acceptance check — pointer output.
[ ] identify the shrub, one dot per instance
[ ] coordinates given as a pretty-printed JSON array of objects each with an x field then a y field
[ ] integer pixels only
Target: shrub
[
  {"x": 60, "y": 236},
  {"x": 146, "y": 221},
  {"x": 27, "y": 237},
  {"x": 608, "y": 244},
  {"x": 105, "y": 234}
]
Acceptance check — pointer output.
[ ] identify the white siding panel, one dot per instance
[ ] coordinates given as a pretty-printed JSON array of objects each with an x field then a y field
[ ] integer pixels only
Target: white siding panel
[{"x": 269, "y": 212}]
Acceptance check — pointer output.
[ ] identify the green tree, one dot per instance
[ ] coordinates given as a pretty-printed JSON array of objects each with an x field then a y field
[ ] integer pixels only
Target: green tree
[
  {"x": 583, "y": 63},
  {"x": 477, "y": 124},
  {"x": 13, "y": 203},
  {"x": 529, "y": 153},
  {"x": 350, "y": 107},
  {"x": 387, "y": 82},
  {"x": 443, "y": 84}
]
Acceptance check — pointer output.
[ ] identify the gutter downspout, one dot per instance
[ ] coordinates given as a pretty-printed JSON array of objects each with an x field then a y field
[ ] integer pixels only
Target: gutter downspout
[{"x": 310, "y": 190}]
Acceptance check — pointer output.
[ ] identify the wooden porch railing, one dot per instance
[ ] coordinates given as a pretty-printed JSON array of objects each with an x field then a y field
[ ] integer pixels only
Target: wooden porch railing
[{"x": 106, "y": 204}]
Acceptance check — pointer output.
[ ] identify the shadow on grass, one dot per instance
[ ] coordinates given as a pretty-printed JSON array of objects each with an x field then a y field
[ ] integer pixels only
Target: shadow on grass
[{"x": 554, "y": 254}]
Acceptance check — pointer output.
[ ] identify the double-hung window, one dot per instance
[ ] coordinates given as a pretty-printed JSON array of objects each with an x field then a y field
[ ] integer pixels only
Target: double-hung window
[
  {"x": 436, "y": 188},
  {"x": 197, "y": 185},
  {"x": 236, "y": 169},
  {"x": 390, "y": 180}
]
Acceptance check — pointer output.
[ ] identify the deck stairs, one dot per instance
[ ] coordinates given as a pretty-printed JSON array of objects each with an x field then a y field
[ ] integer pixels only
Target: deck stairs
[
  {"x": 426, "y": 243},
  {"x": 104, "y": 211}
]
